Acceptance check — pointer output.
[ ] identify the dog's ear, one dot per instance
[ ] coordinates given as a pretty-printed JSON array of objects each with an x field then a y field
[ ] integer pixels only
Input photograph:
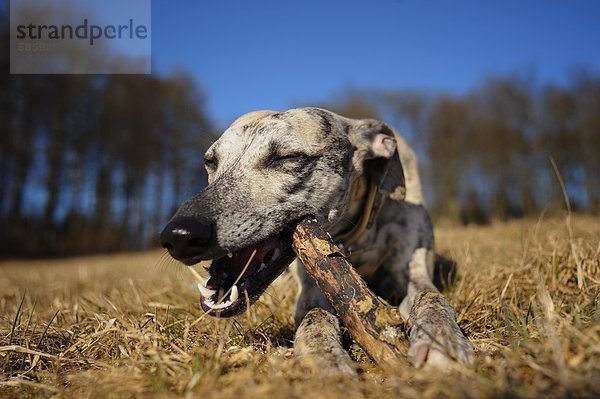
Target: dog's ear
[{"x": 377, "y": 156}]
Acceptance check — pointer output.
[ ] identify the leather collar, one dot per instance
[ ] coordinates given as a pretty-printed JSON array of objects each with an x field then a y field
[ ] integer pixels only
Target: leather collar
[{"x": 370, "y": 209}]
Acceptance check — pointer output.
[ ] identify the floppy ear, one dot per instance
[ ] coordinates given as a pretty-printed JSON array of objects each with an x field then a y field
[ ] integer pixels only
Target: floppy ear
[{"x": 377, "y": 156}]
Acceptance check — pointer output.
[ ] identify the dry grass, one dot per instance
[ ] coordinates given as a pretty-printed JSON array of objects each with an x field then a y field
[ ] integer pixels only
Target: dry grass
[{"x": 126, "y": 326}]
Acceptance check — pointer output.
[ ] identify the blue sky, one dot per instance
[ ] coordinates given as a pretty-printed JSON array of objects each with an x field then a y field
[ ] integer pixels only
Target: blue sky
[{"x": 254, "y": 54}]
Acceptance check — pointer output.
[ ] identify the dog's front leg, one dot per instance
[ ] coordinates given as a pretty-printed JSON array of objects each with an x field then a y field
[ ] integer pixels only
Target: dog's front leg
[
  {"x": 318, "y": 339},
  {"x": 318, "y": 344},
  {"x": 435, "y": 337}
]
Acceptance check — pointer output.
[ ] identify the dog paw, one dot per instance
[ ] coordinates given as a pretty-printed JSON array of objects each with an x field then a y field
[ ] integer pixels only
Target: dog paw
[
  {"x": 318, "y": 345},
  {"x": 435, "y": 338}
]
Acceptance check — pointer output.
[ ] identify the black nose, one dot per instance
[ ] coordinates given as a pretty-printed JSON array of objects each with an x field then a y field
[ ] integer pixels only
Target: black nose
[{"x": 187, "y": 237}]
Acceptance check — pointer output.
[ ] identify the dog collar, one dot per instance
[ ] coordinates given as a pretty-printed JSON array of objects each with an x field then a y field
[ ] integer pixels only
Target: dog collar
[{"x": 371, "y": 207}]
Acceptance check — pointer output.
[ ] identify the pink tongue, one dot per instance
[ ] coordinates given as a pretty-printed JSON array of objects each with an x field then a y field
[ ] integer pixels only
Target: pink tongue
[{"x": 241, "y": 258}]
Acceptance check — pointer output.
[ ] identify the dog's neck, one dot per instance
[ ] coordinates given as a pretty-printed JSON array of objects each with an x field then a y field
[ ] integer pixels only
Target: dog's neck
[
  {"x": 363, "y": 207},
  {"x": 351, "y": 232}
]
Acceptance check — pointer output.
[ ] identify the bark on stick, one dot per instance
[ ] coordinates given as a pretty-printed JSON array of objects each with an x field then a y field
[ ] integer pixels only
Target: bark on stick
[{"x": 375, "y": 325}]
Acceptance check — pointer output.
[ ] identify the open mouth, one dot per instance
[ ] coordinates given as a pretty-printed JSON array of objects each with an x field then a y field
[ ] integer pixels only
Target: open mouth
[{"x": 238, "y": 279}]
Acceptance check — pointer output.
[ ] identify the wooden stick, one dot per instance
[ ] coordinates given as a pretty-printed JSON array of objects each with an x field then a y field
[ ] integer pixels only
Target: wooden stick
[{"x": 369, "y": 320}]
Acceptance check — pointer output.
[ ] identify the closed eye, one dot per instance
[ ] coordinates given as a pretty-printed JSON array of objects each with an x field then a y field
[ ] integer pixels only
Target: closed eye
[{"x": 277, "y": 160}]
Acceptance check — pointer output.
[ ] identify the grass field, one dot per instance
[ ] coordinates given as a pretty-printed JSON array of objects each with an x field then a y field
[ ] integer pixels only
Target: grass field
[{"x": 128, "y": 325}]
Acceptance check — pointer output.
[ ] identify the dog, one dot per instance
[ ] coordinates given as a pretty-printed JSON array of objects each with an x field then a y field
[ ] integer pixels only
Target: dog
[{"x": 360, "y": 180}]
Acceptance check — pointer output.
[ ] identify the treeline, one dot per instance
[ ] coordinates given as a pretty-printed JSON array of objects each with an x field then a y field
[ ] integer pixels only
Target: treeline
[
  {"x": 95, "y": 163},
  {"x": 487, "y": 155},
  {"x": 99, "y": 163}
]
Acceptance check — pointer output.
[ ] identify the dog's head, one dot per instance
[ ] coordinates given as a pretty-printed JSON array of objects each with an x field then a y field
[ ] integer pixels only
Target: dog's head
[{"x": 268, "y": 171}]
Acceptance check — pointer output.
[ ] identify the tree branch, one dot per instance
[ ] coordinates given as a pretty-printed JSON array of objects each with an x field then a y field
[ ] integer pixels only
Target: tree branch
[{"x": 370, "y": 321}]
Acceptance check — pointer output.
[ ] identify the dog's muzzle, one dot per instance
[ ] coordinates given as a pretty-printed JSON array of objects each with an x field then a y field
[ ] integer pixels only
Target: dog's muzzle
[{"x": 237, "y": 276}]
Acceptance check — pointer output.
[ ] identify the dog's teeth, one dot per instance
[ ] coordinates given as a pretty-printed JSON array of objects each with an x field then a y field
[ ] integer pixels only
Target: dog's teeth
[
  {"x": 229, "y": 254},
  {"x": 205, "y": 291},
  {"x": 221, "y": 292},
  {"x": 223, "y": 305},
  {"x": 234, "y": 293},
  {"x": 212, "y": 305},
  {"x": 262, "y": 267}
]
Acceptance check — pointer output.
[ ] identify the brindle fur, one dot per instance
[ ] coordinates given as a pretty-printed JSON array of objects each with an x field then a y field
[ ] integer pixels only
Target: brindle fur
[{"x": 252, "y": 193}]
